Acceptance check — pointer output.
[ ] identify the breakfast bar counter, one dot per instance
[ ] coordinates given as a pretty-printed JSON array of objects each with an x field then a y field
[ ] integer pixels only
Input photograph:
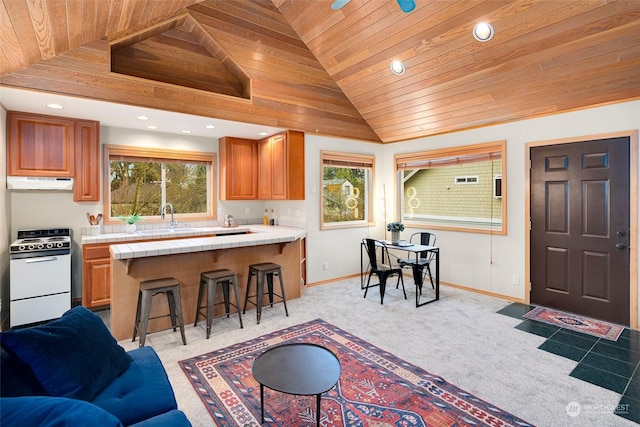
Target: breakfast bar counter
[{"x": 185, "y": 258}]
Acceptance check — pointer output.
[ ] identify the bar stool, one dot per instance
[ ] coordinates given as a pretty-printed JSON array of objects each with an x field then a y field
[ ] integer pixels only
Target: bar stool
[
  {"x": 150, "y": 288},
  {"x": 211, "y": 279},
  {"x": 262, "y": 270}
]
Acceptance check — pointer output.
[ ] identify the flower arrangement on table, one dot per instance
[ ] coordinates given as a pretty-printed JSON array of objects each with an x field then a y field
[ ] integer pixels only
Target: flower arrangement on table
[{"x": 395, "y": 227}]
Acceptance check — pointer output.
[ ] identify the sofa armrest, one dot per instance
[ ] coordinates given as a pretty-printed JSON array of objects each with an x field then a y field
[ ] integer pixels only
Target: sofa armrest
[{"x": 140, "y": 392}]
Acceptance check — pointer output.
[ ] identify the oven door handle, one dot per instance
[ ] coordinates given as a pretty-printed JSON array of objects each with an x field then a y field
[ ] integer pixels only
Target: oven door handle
[{"x": 41, "y": 259}]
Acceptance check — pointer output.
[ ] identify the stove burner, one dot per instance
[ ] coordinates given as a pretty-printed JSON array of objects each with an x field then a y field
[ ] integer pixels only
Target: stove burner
[{"x": 30, "y": 240}]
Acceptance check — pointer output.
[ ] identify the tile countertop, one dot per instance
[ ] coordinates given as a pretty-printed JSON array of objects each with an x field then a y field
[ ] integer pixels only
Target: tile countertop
[{"x": 259, "y": 235}]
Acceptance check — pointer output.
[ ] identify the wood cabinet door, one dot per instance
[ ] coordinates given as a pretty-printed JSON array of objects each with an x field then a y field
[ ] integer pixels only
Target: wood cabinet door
[
  {"x": 86, "y": 187},
  {"x": 264, "y": 169},
  {"x": 40, "y": 145},
  {"x": 279, "y": 167},
  {"x": 96, "y": 290},
  {"x": 238, "y": 169}
]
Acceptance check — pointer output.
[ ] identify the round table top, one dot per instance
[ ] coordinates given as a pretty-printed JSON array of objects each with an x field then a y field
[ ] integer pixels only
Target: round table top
[{"x": 297, "y": 368}]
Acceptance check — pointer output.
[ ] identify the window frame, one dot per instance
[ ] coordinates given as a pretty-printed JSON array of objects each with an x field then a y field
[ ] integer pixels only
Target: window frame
[
  {"x": 160, "y": 154},
  {"x": 355, "y": 161},
  {"x": 450, "y": 156}
]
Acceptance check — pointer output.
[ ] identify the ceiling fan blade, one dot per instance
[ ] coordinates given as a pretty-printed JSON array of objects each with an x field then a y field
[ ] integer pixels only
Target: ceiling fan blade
[
  {"x": 405, "y": 5},
  {"x": 339, "y": 4}
]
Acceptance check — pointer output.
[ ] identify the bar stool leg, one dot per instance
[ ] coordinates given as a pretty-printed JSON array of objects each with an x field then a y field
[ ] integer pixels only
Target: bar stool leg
[
  {"x": 237, "y": 294},
  {"x": 259, "y": 294},
  {"x": 246, "y": 297},
  {"x": 172, "y": 309},
  {"x": 137, "y": 322},
  {"x": 200, "y": 292},
  {"x": 270, "y": 288},
  {"x": 211, "y": 297},
  {"x": 225, "y": 296},
  {"x": 284, "y": 298},
  {"x": 178, "y": 311},
  {"x": 145, "y": 310}
]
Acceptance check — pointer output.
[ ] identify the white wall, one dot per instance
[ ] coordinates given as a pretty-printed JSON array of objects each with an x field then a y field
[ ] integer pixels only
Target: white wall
[{"x": 480, "y": 261}]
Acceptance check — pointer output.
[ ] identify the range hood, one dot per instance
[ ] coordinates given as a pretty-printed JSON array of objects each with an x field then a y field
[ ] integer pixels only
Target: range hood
[{"x": 39, "y": 183}]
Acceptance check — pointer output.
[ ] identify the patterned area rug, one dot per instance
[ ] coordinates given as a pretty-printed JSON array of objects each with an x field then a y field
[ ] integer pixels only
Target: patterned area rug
[
  {"x": 575, "y": 322},
  {"x": 375, "y": 388}
]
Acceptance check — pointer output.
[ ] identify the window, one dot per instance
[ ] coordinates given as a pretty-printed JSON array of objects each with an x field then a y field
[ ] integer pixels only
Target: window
[
  {"x": 460, "y": 188},
  {"x": 347, "y": 183},
  {"x": 141, "y": 180}
]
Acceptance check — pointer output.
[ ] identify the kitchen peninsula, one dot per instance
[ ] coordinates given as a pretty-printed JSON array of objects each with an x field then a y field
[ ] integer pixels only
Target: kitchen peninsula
[{"x": 185, "y": 258}]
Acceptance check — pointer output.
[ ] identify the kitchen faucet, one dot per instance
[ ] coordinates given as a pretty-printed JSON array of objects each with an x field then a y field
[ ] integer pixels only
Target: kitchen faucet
[{"x": 172, "y": 223}]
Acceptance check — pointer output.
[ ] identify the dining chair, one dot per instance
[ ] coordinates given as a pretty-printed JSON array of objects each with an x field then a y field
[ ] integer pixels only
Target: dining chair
[
  {"x": 422, "y": 265},
  {"x": 380, "y": 268}
]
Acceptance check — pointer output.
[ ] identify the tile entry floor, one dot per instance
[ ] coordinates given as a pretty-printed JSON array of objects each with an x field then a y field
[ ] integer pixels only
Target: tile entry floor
[{"x": 609, "y": 364}]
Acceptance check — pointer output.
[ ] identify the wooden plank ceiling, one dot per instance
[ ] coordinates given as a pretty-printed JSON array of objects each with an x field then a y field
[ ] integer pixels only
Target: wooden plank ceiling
[{"x": 299, "y": 64}]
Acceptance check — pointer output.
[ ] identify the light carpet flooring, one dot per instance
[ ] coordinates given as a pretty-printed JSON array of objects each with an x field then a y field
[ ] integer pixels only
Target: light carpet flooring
[{"x": 461, "y": 338}]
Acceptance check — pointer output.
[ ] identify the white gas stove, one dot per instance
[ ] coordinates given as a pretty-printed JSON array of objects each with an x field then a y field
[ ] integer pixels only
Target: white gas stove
[{"x": 40, "y": 275}]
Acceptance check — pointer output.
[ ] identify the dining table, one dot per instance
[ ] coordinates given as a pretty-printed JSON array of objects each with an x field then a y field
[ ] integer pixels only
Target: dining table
[{"x": 416, "y": 267}]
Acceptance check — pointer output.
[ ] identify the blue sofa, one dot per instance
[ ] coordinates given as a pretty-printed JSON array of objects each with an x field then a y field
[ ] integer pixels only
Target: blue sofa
[{"x": 72, "y": 372}]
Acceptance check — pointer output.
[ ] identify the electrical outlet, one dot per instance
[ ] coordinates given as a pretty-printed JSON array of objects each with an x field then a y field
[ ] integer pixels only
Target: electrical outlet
[
  {"x": 246, "y": 211},
  {"x": 297, "y": 212},
  {"x": 325, "y": 265},
  {"x": 515, "y": 279}
]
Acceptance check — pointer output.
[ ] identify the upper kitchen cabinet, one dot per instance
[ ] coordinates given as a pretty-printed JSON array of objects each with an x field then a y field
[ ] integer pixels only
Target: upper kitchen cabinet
[
  {"x": 52, "y": 146},
  {"x": 238, "y": 169},
  {"x": 281, "y": 167},
  {"x": 40, "y": 145},
  {"x": 86, "y": 187}
]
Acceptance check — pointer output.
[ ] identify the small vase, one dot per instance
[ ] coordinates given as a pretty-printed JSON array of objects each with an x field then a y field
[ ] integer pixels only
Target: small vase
[
  {"x": 130, "y": 228},
  {"x": 395, "y": 237}
]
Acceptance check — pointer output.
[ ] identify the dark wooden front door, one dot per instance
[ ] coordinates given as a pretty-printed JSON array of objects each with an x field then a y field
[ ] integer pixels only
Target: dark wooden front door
[{"x": 580, "y": 228}]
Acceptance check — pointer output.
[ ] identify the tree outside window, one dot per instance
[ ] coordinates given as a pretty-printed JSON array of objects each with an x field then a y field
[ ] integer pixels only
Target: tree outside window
[
  {"x": 142, "y": 184},
  {"x": 346, "y": 189}
]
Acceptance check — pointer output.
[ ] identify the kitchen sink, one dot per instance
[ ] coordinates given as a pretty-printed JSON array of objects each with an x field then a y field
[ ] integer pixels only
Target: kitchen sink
[{"x": 167, "y": 230}]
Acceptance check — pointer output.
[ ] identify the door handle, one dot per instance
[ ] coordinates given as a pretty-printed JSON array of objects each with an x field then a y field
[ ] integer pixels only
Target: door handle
[
  {"x": 620, "y": 233},
  {"x": 620, "y": 245}
]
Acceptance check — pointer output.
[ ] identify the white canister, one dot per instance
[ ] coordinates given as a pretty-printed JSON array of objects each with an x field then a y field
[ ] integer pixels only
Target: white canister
[{"x": 95, "y": 230}]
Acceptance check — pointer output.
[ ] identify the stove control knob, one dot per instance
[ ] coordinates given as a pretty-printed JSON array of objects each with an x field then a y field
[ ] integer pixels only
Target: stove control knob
[
  {"x": 31, "y": 247},
  {"x": 59, "y": 244},
  {"x": 40, "y": 246},
  {"x": 21, "y": 248},
  {"x": 49, "y": 245}
]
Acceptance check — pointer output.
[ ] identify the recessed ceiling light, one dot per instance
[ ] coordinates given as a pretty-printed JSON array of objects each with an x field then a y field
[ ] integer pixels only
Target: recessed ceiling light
[
  {"x": 483, "y": 31},
  {"x": 210, "y": 127},
  {"x": 185, "y": 131},
  {"x": 152, "y": 127},
  {"x": 54, "y": 106},
  {"x": 142, "y": 118},
  {"x": 397, "y": 67}
]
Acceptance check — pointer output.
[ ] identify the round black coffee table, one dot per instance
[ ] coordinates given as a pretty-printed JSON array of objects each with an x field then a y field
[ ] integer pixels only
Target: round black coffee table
[{"x": 296, "y": 368}]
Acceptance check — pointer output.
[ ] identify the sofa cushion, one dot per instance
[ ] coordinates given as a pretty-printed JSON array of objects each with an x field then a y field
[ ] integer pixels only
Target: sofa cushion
[
  {"x": 74, "y": 356},
  {"x": 52, "y": 412},
  {"x": 16, "y": 379},
  {"x": 141, "y": 392},
  {"x": 172, "y": 418}
]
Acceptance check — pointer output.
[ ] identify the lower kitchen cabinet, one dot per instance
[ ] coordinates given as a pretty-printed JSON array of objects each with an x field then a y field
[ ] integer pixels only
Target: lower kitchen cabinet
[{"x": 96, "y": 275}]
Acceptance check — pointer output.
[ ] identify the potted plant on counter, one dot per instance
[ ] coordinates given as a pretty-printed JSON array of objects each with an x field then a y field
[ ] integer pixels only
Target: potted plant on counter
[
  {"x": 395, "y": 228},
  {"x": 131, "y": 222}
]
